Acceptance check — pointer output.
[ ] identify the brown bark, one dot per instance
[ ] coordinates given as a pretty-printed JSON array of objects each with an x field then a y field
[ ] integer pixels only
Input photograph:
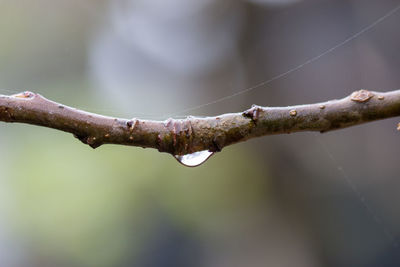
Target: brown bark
[{"x": 185, "y": 136}]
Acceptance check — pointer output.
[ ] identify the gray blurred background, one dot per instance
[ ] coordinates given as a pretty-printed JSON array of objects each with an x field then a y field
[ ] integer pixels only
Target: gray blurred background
[{"x": 292, "y": 200}]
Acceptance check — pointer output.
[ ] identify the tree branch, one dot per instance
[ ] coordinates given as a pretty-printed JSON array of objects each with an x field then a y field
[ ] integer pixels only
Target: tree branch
[{"x": 185, "y": 136}]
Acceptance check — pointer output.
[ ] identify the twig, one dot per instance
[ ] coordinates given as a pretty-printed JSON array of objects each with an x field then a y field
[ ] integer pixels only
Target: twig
[{"x": 185, "y": 136}]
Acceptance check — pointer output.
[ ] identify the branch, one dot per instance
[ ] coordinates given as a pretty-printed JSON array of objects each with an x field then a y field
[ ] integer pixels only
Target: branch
[{"x": 185, "y": 136}]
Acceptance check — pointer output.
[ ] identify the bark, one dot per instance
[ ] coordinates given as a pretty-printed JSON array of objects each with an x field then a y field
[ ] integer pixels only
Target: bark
[{"x": 186, "y": 136}]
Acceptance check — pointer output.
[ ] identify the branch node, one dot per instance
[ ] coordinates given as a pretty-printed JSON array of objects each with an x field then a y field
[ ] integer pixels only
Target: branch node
[
  {"x": 361, "y": 96},
  {"x": 168, "y": 122},
  {"x": 5, "y": 114},
  {"x": 26, "y": 94},
  {"x": 92, "y": 141},
  {"x": 253, "y": 113},
  {"x": 217, "y": 144},
  {"x": 132, "y": 124}
]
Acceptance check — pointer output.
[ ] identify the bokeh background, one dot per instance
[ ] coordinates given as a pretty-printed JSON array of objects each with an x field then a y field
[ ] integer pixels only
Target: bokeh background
[{"x": 293, "y": 200}]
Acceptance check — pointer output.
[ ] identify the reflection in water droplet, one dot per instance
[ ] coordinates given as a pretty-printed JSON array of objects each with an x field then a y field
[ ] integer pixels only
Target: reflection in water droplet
[{"x": 194, "y": 159}]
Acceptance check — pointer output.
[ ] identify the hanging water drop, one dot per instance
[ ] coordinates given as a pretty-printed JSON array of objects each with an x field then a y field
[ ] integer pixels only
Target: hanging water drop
[{"x": 195, "y": 159}]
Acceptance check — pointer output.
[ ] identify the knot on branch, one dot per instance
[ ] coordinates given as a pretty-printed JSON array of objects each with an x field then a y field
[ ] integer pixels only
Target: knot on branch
[
  {"x": 26, "y": 94},
  {"x": 92, "y": 141},
  {"x": 361, "y": 96},
  {"x": 132, "y": 124},
  {"x": 178, "y": 137},
  {"x": 5, "y": 114},
  {"x": 253, "y": 113}
]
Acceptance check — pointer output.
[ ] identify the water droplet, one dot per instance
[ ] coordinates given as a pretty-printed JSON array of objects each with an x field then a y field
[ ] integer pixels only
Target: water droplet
[{"x": 195, "y": 159}]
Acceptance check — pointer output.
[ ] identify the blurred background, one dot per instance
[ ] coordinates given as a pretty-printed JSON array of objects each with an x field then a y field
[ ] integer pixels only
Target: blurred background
[{"x": 293, "y": 200}]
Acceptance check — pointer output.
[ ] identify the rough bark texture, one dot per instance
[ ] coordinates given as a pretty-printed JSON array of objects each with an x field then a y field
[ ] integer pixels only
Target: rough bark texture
[{"x": 185, "y": 136}]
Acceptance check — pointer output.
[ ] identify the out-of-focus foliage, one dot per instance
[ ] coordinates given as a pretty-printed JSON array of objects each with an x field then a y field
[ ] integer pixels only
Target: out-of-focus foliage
[{"x": 98, "y": 207}]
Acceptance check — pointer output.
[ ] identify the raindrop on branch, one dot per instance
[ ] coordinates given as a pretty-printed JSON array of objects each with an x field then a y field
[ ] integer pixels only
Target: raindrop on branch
[{"x": 195, "y": 159}]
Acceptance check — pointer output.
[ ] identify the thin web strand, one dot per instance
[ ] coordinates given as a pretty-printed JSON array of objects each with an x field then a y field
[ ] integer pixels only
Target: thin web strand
[
  {"x": 94, "y": 109},
  {"x": 284, "y": 74},
  {"x": 388, "y": 234}
]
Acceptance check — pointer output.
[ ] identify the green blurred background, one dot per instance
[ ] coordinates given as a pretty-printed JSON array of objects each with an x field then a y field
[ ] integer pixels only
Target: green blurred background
[{"x": 294, "y": 200}]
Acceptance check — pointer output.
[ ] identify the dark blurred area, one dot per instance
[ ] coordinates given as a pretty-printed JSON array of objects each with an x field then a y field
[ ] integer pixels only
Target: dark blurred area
[{"x": 291, "y": 200}]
